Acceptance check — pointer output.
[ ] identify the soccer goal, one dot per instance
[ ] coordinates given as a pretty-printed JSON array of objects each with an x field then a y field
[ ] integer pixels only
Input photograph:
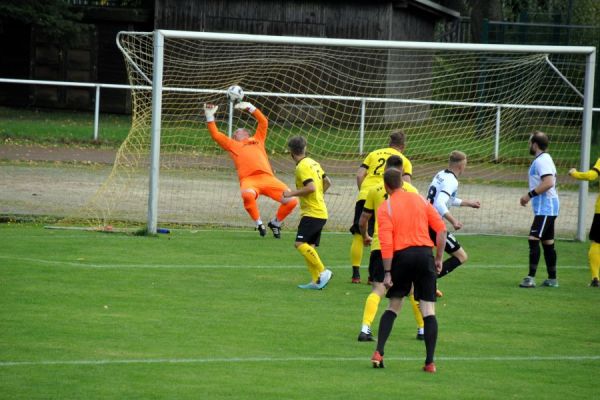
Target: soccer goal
[{"x": 346, "y": 97}]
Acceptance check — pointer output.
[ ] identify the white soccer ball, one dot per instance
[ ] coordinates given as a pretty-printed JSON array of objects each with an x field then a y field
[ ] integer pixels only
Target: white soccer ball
[{"x": 235, "y": 93}]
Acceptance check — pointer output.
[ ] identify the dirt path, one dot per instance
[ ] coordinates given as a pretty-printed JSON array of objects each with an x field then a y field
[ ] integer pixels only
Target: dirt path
[
  {"x": 74, "y": 175},
  {"x": 13, "y": 152}
]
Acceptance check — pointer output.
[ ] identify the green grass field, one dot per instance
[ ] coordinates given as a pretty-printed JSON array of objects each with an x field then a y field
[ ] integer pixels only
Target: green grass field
[
  {"x": 48, "y": 126},
  {"x": 216, "y": 314},
  {"x": 428, "y": 140}
]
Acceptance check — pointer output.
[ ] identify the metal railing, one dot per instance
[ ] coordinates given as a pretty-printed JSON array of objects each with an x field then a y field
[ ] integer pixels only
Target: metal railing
[
  {"x": 96, "y": 86},
  {"x": 363, "y": 102}
]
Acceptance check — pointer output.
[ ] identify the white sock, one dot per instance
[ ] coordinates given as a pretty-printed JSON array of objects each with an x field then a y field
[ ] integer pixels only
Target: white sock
[
  {"x": 258, "y": 222},
  {"x": 421, "y": 331},
  {"x": 276, "y": 222},
  {"x": 366, "y": 328}
]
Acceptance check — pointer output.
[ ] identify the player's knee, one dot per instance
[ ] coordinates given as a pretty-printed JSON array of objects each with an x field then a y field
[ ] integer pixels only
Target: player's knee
[
  {"x": 395, "y": 304},
  {"x": 427, "y": 308},
  {"x": 548, "y": 247},
  {"x": 378, "y": 289},
  {"x": 290, "y": 201},
  {"x": 249, "y": 197},
  {"x": 461, "y": 255}
]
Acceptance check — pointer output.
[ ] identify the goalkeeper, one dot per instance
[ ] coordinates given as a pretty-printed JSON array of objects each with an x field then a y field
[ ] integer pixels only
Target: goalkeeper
[
  {"x": 594, "y": 253},
  {"x": 253, "y": 167}
]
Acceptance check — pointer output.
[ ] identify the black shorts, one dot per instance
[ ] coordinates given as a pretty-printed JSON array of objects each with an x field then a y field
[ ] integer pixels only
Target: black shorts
[
  {"x": 595, "y": 229},
  {"x": 376, "y": 266},
  {"x": 358, "y": 209},
  {"x": 452, "y": 244},
  {"x": 413, "y": 266},
  {"x": 309, "y": 230},
  {"x": 543, "y": 227}
]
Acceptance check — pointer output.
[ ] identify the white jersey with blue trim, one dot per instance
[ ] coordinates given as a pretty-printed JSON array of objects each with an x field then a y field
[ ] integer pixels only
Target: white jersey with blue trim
[{"x": 546, "y": 203}]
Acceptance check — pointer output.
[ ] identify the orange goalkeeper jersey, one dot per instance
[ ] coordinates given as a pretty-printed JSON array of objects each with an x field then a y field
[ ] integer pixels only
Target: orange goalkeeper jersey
[
  {"x": 249, "y": 156},
  {"x": 404, "y": 220}
]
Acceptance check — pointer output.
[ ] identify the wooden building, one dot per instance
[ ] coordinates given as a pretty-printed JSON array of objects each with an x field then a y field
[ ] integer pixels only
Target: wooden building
[
  {"x": 413, "y": 20},
  {"x": 90, "y": 57},
  {"x": 94, "y": 57}
]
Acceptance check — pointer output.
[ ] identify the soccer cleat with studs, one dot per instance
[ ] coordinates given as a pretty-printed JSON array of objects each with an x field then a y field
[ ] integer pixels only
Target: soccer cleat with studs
[
  {"x": 275, "y": 229},
  {"x": 550, "y": 283},
  {"x": 310, "y": 285},
  {"x": 528, "y": 282},
  {"x": 429, "y": 368},
  {"x": 377, "y": 360},
  {"x": 324, "y": 278},
  {"x": 262, "y": 231},
  {"x": 365, "y": 337},
  {"x": 595, "y": 283}
]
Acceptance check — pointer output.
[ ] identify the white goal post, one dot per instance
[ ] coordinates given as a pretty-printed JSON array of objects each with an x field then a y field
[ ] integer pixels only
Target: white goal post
[{"x": 346, "y": 96}]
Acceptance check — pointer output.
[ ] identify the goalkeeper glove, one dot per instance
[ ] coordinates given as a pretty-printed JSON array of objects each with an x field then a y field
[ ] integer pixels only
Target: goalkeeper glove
[
  {"x": 244, "y": 105},
  {"x": 209, "y": 111}
]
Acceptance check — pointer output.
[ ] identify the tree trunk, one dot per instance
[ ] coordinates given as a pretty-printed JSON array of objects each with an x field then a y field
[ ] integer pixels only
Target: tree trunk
[{"x": 480, "y": 10}]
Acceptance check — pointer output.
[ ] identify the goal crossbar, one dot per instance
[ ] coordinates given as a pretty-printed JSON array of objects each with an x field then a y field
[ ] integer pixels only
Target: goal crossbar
[{"x": 382, "y": 44}]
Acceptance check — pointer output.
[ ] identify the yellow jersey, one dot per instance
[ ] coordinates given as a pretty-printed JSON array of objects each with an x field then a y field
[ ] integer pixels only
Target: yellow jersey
[
  {"x": 590, "y": 175},
  {"x": 375, "y": 165},
  {"x": 375, "y": 197},
  {"x": 312, "y": 205}
]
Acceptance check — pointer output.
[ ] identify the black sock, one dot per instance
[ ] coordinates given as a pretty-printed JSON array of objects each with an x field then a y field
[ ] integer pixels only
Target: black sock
[
  {"x": 550, "y": 258},
  {"x": 431, "y": 332},
  {"x": 449, "y": 265},
  {"x": 386, "y": 323},
  {"x": 534, "y": 256},
  {"x": 356, "y": 272}
]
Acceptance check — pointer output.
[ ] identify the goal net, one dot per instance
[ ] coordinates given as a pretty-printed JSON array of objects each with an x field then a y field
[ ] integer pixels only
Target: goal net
[{"x": 345, "y": 97}]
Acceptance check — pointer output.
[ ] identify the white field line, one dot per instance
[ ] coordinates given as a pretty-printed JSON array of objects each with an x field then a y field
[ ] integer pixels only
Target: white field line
[
  {"x": 208, "y": 266},
  {"x": 291, "y": 359}
]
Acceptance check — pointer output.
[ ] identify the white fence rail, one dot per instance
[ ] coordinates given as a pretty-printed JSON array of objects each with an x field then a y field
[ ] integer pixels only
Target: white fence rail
[{"x": 363, "y": 100}]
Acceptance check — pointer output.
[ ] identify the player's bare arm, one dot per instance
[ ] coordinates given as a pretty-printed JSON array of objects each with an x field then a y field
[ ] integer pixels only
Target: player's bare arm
[
  {"x": 360, "y": 176},
  {"x": 471, "y": 203},
  {"x": 546, "y": 184},
  {"x": 440, "y": 244},
  {"x": 304, "y": 191},
  {"x": 326, "y": 183},
  {"x": 387, "y": 267},
  {"x": 456, "y": 224},
  {"x": 363, "y": 224}
]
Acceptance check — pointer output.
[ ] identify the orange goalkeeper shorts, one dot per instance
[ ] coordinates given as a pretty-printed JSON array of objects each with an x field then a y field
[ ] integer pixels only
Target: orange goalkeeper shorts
[{"x": 264, "y": 184}]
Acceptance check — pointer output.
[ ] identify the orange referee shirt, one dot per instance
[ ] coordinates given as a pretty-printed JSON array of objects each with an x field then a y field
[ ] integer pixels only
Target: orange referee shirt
[
  {"x": 404, "y": 220},
  {"x": 249, "y": 156}
]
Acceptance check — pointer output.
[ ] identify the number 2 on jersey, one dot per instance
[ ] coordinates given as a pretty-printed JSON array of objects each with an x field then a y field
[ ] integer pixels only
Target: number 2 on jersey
[{"x": 380, "y": 164}]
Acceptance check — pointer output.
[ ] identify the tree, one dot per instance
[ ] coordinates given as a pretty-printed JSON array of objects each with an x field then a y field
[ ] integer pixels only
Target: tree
[
  {"x": 53, "y": 18},
  {"x": 480, "y": 10}
]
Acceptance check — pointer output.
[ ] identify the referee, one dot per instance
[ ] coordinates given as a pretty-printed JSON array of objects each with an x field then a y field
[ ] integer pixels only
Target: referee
[{"x": 404, "y": 220}]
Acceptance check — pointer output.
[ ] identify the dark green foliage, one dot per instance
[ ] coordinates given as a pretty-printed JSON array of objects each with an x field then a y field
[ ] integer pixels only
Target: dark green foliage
[{"x": 53, "y": 18}]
